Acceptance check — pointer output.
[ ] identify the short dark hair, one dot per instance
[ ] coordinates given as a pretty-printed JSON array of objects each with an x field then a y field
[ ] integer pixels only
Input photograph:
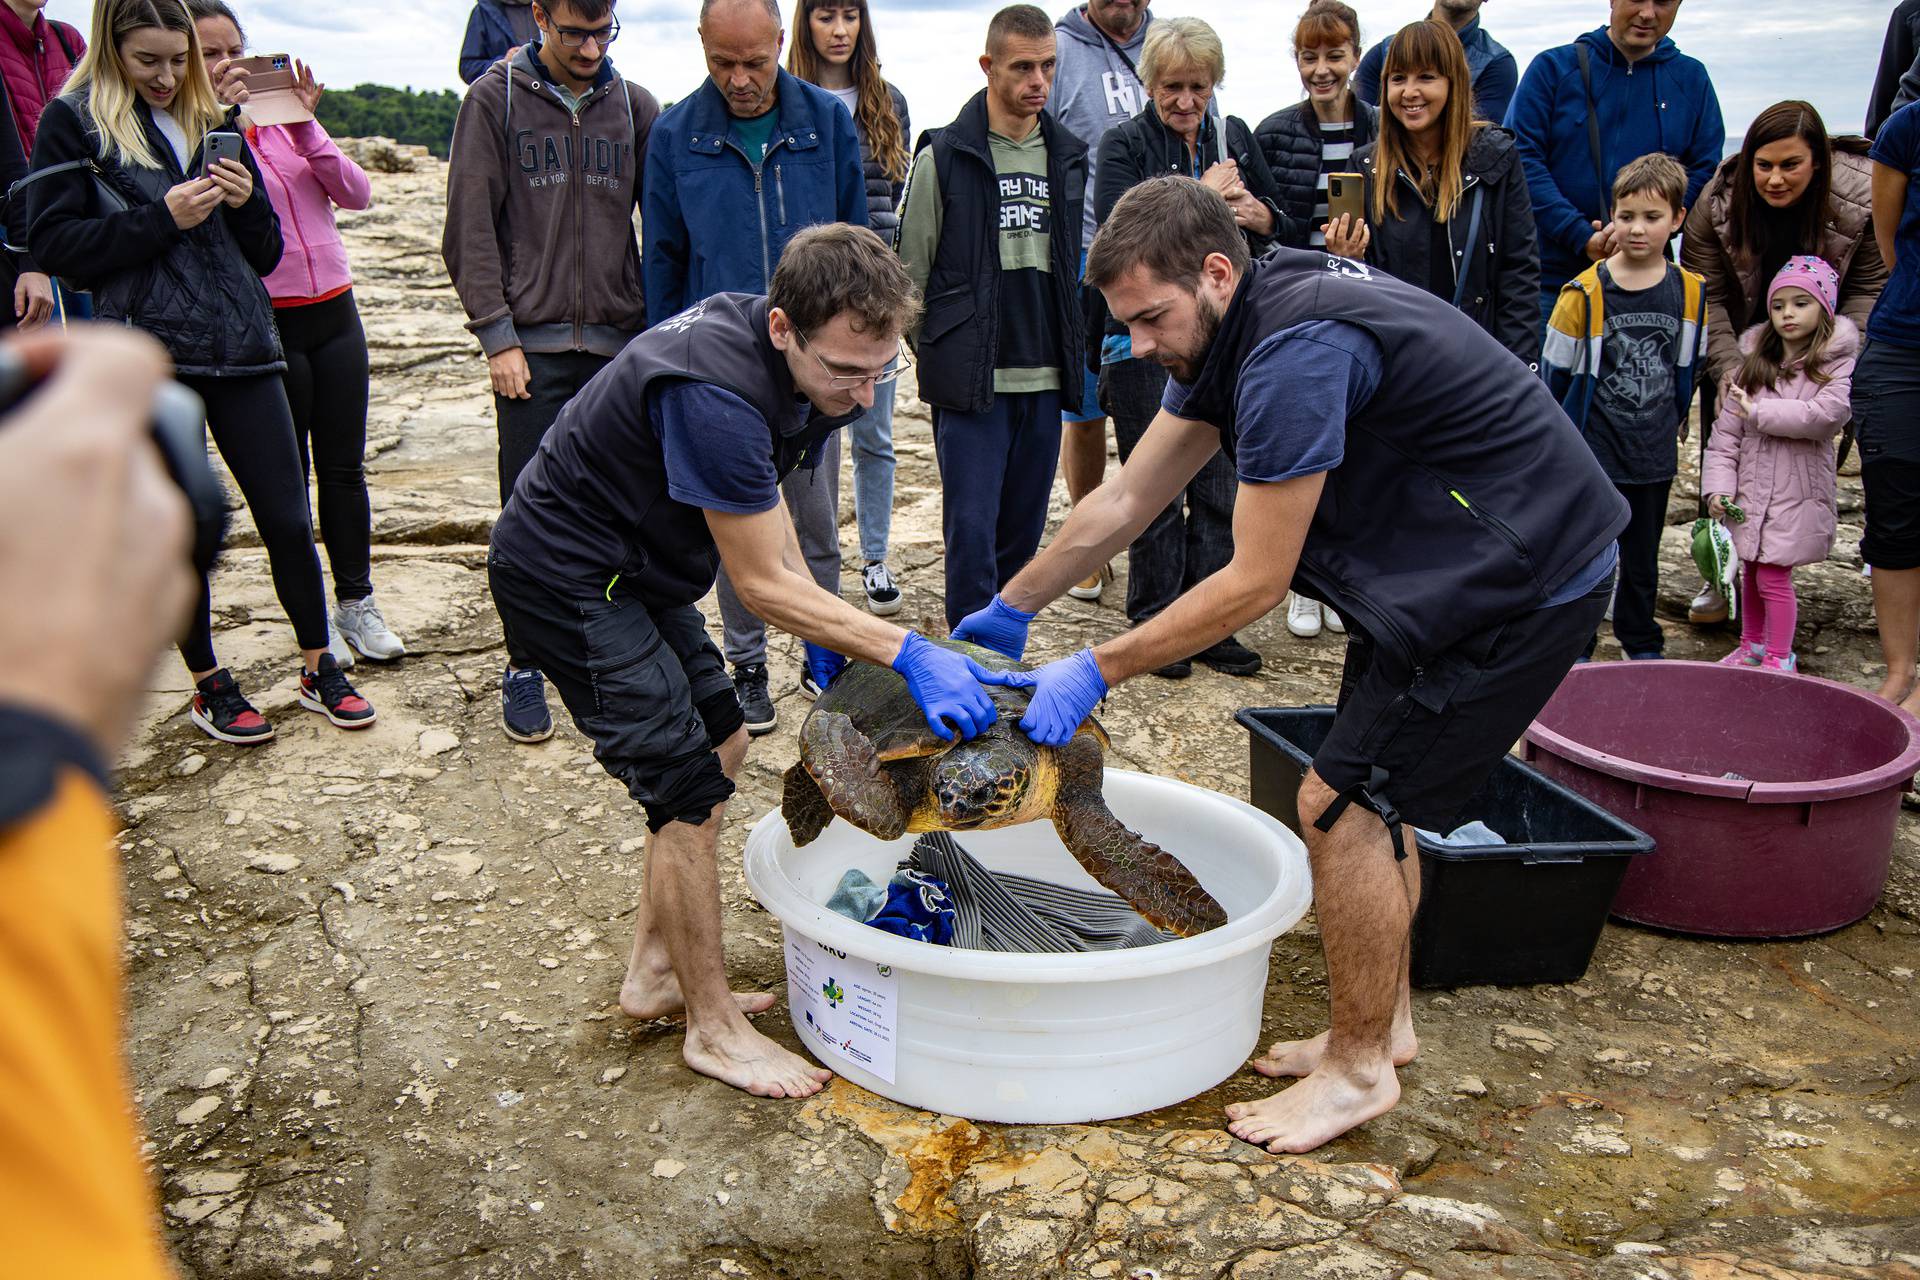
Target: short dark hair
[
  {"x": 838, "y": 267},
  {"x": 1654, "y": 174},
  {"x": 216, "y": 9},
  {"x": 1026, "y": 21},
  {"x": 771, "y": 6},
  {"x": 589, "y": 10},
  {"x": 1170, "y": 226}
]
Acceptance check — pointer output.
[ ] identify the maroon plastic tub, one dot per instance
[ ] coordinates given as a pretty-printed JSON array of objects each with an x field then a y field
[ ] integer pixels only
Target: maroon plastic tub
[{"x": 1771, "y": 798}]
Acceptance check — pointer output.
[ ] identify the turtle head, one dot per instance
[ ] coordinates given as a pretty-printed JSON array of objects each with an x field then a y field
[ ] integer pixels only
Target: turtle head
[{"x": 983, "y": 783}]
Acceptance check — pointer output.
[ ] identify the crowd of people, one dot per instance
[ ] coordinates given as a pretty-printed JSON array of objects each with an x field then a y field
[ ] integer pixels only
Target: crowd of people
[{"x": 1415, "y": 355}]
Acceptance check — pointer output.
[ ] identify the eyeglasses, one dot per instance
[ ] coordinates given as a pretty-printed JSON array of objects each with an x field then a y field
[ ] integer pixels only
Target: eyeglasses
[
  {"x": 848, "y": 381},
  {"x": 574, "y": 37}
]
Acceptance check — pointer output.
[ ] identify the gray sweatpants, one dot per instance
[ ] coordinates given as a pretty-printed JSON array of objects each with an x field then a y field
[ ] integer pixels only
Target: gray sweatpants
[{"x": 813, "y": 498}]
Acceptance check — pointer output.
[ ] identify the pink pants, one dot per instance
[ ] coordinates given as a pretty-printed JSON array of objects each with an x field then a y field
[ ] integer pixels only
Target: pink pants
[{"x": 1767, "y": 607}]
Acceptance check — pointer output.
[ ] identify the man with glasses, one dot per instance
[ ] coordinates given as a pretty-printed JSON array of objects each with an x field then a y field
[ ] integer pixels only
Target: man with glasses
[
  {"x": 742, "y": 164},
  {"x": 666, "y": 466},
  {"x": 548, "y": 153}
]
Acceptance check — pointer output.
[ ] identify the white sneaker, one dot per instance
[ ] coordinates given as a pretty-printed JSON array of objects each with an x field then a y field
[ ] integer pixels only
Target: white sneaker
[
  {"x": 883, "y": 596},
  {"x": 1708, "y": 607},
  {"x": 1303, "y": 616},
  {"x": 1092, "y": 588},
  {"x": 337, "y": 646},
  {"x": 1333, "y": 622},
  {"x": 360, "y": 624}
]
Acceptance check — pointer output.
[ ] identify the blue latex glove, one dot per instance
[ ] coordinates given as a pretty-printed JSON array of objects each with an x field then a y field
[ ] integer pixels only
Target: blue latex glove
[
  {"x": 947, "y": 687},
  {"x": 999, "y": 627},
  {"x": 1064, "y": 695},
  {"x": 823, "y": 664}
]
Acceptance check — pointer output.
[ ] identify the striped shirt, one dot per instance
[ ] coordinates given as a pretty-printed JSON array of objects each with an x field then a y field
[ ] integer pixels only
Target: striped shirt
[{"x": 1336, "y": 156}]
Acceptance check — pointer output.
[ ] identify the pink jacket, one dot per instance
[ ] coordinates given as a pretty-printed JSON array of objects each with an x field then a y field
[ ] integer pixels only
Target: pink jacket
[
  {"x": 306, "y": 176},
  {"x": 1779, "y": 465}
]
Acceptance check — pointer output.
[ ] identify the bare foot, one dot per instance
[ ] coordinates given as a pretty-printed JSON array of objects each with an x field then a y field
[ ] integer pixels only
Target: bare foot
[
  {"x": 1315, "y": 1111},
  {"x": 1897, "y": 688},
  {"x": 1911, "y": 702},
  {"x": 1302, "y": 1057},
  {"x": 658, "y": 996},
  {"x": 748, "y": 1060}
]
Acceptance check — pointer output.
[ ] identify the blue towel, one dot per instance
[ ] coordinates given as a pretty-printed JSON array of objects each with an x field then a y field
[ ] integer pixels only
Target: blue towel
[
  {"x": 857, "y": 897},
  {"x": 1473, "y": 834},
  {"x": 917, "y": 907}
]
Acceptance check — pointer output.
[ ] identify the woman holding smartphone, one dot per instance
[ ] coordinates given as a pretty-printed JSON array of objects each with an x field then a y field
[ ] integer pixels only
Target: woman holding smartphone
[
  {"x": 177, "y": 246},
  {"x": 1446, "y": 204},
  {"x": 834, "y": 48},
  {"x": 307, "y": 177},
  {"x": 1307, "y": 141}
]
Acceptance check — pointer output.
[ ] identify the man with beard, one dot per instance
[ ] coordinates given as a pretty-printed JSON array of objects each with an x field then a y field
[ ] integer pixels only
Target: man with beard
[
  {"x": 1495, "y": 73},
  {"x": 1395, "y": 463}
]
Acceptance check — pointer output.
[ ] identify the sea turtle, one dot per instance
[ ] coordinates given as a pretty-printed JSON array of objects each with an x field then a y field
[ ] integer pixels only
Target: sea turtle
[{"x": 867, "y": 754}]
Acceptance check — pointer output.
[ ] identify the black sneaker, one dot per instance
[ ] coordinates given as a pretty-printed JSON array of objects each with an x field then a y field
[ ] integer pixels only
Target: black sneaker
[
  {"x": 883, "y": 597},
  {"x": 223, "y": 712},
  {"x": 1230, "y": 658},
  {"x": 523, "y": 705},
  {"x": 756, "y": 704},
  {"x": 1175, "y": 670},
  {"x": 328, "y": 692}
]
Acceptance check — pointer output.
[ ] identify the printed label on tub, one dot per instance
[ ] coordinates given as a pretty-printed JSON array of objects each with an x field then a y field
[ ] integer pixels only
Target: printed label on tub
[{"x": 851, "y": 1004}]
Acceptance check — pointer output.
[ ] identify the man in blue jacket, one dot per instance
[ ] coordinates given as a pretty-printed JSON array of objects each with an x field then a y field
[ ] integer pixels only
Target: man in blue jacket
[
  {"x": 1494, "y": 71},
  {"x": 734, "y": 171},
  {"x": 495, "y": 28},
  {"x": 1587, "y": 108}
]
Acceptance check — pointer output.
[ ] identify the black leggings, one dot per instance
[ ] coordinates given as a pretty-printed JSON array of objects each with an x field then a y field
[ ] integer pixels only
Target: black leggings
[
  {"x": 253, "y": 428},
  {"x": 327, "y": 390}
]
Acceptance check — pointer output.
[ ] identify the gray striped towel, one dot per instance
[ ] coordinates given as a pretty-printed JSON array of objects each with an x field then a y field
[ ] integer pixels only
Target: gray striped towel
[{"x": 996, "y": 911}]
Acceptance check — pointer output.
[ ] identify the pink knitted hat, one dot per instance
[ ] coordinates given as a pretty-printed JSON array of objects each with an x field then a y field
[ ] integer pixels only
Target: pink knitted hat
[{"x": 1805, "y": 271}]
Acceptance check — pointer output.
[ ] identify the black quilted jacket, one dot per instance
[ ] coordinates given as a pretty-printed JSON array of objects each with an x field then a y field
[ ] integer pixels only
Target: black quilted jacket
[
  {"x": 883, "y": 194},
  {"x": 1290, "y": 140},
  {"x": 198, "y": 291}
]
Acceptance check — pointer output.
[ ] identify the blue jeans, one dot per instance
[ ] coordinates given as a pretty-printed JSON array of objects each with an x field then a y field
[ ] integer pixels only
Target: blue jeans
[
  {"x": 1548, "y": 297},
  {"x": 871, "y": 439},
  {"x": 996, "y": 477}
]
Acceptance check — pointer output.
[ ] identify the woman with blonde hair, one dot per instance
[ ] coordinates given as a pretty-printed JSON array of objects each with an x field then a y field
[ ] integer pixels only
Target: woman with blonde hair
[
  {"x": 127, "y": 206},
  {"x": 833, "y": 46},
  {"x": 1446, "y": 199}
]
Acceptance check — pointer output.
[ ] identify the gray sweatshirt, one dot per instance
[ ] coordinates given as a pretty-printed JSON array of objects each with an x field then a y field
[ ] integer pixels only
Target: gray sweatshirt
[{"x": 1094, "y": 88}]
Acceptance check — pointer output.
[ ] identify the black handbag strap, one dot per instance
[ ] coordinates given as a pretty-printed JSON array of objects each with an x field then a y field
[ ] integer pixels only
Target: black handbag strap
[
  {"x": 1593, "y": 130},
  {"x": 116, "y": 202},
  {"x": 1465, "y": 260}
]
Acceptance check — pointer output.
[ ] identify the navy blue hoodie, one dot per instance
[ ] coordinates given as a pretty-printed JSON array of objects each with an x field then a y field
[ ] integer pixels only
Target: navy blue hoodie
[{"x": 1663, "y": 102}]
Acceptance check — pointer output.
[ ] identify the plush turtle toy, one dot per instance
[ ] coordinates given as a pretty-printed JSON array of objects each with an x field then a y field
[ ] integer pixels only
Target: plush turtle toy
[{"x": 867, "y": 755}]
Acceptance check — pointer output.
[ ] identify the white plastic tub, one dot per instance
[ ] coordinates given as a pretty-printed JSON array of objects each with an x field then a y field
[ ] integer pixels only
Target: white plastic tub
[{"x": 1038, "y": 1039}]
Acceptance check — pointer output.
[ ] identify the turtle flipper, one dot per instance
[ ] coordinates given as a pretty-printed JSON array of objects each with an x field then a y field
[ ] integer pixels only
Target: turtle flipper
[
  {"x": 805, "y": 809},
  {"x": 1153, "y": 881},
  {"x": 850, "y": 777}
]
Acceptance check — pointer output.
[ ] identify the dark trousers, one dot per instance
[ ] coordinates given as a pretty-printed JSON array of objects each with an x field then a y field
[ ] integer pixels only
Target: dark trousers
[
  {"x": 1193, "y": 538},
  {"x": 1633, "y": 623},
  {"x": 553, "y": 379},
  {"x": 326, "y": 383},
  {"x": 253, "y": 428},
  {"x": 996, "y": 477}
]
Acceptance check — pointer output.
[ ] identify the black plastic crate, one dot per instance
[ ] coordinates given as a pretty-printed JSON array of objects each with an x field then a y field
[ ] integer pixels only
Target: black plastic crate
[{"x": 1524, "y": 912}]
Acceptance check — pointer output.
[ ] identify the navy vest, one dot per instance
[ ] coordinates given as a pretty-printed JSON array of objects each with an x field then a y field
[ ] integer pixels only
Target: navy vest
[
  {"x": 1465, "y": 496},
  {"x": 594, "y": 504}
]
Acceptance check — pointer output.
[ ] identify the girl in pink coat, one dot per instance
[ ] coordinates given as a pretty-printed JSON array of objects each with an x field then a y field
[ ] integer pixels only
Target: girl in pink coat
[{"x": 1772, "y": 451}]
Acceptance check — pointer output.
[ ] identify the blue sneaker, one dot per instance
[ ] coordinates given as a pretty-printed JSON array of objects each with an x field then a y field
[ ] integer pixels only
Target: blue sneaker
[{"x": 523, "y": 705}]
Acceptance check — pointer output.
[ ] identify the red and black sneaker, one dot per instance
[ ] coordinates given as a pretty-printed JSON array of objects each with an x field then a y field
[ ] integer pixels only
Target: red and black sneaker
[
  {"x": 328, "y": 692},
  {"x": 223, "y": 712}
]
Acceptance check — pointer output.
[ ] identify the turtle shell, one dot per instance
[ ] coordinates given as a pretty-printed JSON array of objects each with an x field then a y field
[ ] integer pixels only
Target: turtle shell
[{"x": 876, "y": 699}]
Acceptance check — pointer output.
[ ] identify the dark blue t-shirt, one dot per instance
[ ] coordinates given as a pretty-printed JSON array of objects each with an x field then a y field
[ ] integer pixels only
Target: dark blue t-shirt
[
  {"x": 715, "y": 447},
  {"x": 1896, "y": 316},
  {"x": 1297, "y": 388}
]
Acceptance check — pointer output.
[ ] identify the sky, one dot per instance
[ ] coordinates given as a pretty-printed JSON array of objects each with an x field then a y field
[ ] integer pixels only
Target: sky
[{"x": 1757, "y": 51}]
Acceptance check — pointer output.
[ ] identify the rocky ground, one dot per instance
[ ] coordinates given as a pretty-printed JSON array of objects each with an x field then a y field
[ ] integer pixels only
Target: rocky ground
[{"x": 373, "y": 976}]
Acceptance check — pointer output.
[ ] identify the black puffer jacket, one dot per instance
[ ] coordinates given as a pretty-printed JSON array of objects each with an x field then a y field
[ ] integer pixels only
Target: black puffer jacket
[
  {"x": 883, "y": 193},
  {"x": 1290, "y": 139},
  {"x": 199, "y": 291},
  {"x": 1502, "y": 265}
]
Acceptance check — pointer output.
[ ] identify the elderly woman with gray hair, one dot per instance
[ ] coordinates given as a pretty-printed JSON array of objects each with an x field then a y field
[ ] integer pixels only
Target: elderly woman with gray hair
[{"x": 1180, "y": 132}]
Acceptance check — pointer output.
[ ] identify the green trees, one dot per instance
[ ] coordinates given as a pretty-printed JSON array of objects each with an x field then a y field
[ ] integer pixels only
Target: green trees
[{"x": 405, "y": 115}]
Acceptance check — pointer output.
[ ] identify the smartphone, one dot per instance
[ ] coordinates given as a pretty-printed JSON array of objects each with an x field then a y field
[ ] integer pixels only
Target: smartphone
[
  {"x": 219, "y": 145},
  {"x": 270, "y": 95},
  {"x": 1346, "y": 193}
]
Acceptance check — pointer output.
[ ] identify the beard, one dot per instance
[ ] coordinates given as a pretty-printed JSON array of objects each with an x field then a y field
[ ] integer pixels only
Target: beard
[
  {"x": 1458, "y": 10},
  {"x": 1185, "y": 365}
]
